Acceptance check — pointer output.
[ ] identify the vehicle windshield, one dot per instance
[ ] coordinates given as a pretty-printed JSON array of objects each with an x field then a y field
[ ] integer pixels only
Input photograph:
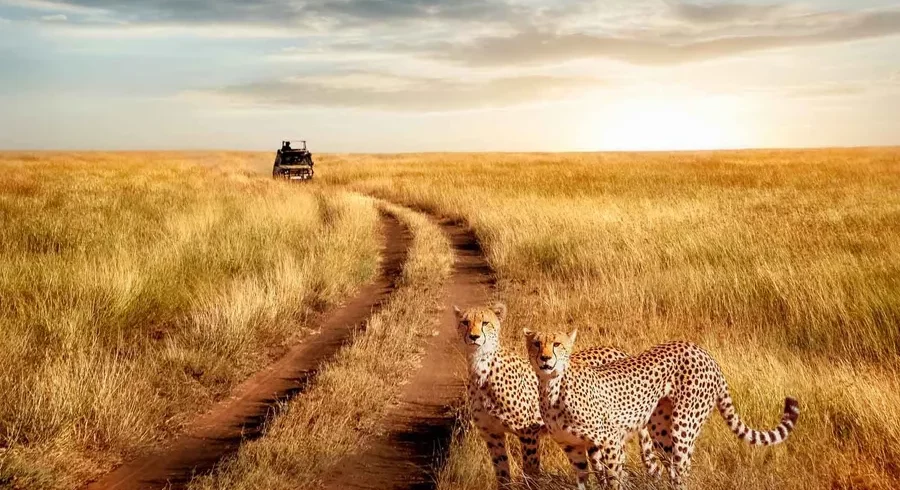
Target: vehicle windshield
[{"x": 292, "y": 159}]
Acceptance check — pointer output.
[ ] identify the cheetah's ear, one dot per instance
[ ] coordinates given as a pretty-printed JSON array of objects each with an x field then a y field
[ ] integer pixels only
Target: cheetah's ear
[
  {"x": 457, "y": 312},
  {"x": 528, "y": 333},
  {"x": 499, "y": 309},
  {"x": 572, "y": 335}
]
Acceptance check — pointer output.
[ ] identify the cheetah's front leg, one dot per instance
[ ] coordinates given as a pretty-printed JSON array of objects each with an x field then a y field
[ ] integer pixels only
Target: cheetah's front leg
[
  {"x": 578, "y": 457},
  {"x": 531, "y": 457},
  {"x": 496, "y": 443},
  {"x": 609, "y": 463}
]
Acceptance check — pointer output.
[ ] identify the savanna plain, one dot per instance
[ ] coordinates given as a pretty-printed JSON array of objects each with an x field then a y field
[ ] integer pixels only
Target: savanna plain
[{"x": 137, "y": 289}]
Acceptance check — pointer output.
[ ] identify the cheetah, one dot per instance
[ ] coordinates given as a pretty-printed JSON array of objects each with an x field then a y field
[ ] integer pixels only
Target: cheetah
[
  {"x": 503, "y": 391},
  {"x": 593, "y": 408}
]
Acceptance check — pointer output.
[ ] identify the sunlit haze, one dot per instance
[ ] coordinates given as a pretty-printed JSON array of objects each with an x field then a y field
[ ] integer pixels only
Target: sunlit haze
[{"x": 463, "y": 75}]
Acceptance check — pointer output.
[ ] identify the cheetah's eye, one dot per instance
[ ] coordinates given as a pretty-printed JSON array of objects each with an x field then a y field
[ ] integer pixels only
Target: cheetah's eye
[
  {"x": 537, "y": 344},
  {"x": 485, "y": 324},
  {"x": 464, "y": 323},
  {"x": 557, "y": 344}
]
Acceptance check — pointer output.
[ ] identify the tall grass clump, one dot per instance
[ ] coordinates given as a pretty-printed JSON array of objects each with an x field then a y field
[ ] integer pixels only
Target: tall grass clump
[{"x": 136, "y": 289}]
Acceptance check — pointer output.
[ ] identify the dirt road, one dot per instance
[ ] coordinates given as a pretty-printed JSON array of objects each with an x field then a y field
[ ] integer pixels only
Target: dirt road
[{"x": 417, "y": 431}]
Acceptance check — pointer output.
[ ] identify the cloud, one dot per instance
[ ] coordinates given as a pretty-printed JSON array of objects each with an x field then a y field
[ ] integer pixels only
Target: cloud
[
  {"x": 827, "y": 90},
  {"x": 397, "y": 93},
  {"x": 649, "y": 48},
  {"x": 55, "y": 18},
  {"x": 280, "y": 12},
  {"x": 126, "y": 31},
  {"x": 468, "y": 10},
  {"x": 47, "y": 5},
  {"x": 844, "y": 89},
  {"x": 484, "y": 32},
  {"x": 725, "y": 13}
]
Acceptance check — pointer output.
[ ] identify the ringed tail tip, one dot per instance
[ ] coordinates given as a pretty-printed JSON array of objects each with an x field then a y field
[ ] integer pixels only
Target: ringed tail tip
[{"x": 791, "y": 408}]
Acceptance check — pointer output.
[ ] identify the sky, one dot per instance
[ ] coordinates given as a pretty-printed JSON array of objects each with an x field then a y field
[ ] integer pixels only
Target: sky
[{"x": 461, "y": 75}]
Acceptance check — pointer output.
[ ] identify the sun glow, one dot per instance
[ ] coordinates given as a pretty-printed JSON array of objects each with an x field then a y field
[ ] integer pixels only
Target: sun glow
[{"x": 661, "y": 124}]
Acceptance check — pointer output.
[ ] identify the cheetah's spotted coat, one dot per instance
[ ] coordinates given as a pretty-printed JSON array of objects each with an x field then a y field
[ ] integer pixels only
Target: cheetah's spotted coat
[
  {"x": 503, "y": 391},
  {"x": 594, "y": 408}
]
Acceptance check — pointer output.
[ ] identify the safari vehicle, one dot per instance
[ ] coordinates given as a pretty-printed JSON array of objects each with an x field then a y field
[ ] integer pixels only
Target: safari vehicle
[{"x": 293, "y": 163}]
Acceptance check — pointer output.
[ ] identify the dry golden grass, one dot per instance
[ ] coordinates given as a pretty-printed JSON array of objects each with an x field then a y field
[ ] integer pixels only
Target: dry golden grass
[
  {"x": 784, "y": 264},
  {"x": 135, "y": 289},
  {"x": 340, "y": 412}
]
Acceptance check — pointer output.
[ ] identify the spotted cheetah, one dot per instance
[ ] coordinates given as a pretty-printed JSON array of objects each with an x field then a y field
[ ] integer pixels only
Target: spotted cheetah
[
  {"x": 595, "y": 407},
  {"x": 503, "y": 391}
]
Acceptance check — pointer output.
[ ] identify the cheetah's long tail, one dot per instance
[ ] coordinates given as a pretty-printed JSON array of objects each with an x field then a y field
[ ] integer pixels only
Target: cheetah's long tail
[{"x": 759, "y": 437}]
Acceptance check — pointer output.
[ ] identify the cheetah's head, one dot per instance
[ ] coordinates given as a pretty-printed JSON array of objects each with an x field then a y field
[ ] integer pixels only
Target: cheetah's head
[
  {"x": 480, "y": 326},
  {"x": 549, "y": 352}
]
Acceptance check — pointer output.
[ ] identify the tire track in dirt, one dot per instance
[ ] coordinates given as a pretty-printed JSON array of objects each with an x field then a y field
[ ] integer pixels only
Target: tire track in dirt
[
  {"x": 240, "y": 417},
  {"x": 416, "y": 432}
]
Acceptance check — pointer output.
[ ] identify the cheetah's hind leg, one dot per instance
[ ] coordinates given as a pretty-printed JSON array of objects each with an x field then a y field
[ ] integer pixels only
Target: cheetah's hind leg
[
  {"x": 661, "y": 428},
  {"x": 648, "y": 455},
  {"x": 687, "y": 420}
]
